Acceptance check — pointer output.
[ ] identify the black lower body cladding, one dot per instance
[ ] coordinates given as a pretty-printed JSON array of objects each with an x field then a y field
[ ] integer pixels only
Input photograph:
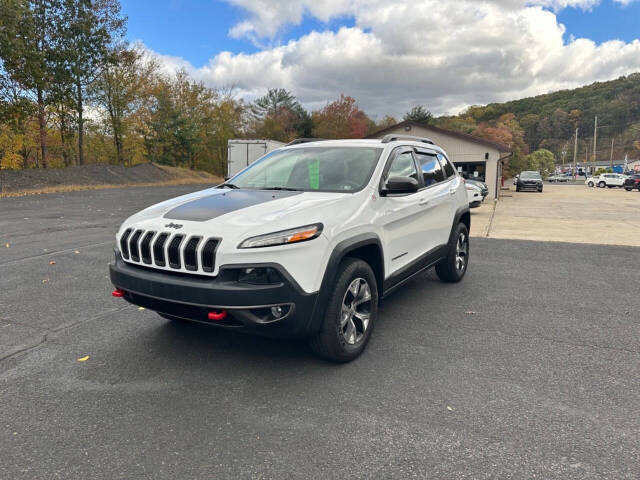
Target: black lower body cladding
[{"x": 193, "y": 297}]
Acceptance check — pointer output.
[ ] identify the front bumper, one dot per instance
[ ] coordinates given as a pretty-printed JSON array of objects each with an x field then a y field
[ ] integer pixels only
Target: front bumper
[
  {"x": 192, "y": 297},
  {"x": 530, "y": 186}
]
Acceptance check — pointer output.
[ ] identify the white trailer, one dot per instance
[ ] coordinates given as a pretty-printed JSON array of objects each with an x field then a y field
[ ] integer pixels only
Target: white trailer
[{"x": 242, "y": 153}]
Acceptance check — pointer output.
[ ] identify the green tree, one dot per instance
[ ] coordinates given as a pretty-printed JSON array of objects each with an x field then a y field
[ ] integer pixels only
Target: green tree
[
  {"x": 542, "y": 161},
  {"x": 120, "y": 91},
  {"x": 88, "y": 29},
  {"x": 419, "y": 114}
]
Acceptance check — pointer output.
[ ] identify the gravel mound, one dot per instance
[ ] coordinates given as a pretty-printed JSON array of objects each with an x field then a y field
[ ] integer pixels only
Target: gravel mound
[{"x": 12, "y": 181}]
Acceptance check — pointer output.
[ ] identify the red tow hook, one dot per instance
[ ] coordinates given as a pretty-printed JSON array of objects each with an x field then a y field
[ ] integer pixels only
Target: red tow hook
[
  {"x": 217, "y": 316},
  {"x": 118, "y": 293}
]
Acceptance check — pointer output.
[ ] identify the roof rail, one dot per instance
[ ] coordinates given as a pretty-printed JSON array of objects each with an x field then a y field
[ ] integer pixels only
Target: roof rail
[
  {"x": 392, "y": 137},
  {"x": 298, "y": 141}
]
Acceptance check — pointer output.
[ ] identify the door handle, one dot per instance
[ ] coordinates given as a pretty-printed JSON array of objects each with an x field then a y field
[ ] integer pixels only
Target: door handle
[
  {"x": 452, "y": 191},
  {"x": 423, "y": 202}
]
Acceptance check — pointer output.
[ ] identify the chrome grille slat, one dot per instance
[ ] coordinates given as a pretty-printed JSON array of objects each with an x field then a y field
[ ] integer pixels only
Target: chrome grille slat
[{"x": 134, "y": 248}]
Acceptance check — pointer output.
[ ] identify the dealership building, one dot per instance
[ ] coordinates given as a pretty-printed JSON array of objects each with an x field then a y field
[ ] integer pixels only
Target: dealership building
[{"x": 474, "y": 157}]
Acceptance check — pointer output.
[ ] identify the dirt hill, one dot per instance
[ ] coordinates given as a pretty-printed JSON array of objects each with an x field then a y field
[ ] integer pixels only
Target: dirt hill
[{"x": 33, "y": 181}]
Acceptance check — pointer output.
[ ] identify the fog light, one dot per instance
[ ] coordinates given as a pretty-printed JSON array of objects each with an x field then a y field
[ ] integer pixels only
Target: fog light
[
  {"x": 277, "y": 311},
  {"x": 259, "y": 276}
]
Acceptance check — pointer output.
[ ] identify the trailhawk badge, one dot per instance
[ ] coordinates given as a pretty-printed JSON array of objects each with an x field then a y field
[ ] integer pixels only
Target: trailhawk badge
[{"x": 173, "y": 225}]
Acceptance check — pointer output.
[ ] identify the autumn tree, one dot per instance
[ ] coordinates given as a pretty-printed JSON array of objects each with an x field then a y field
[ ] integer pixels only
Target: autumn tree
[
  {"x": 340, "y": 119},
  {"x": 29, "y": 46}
]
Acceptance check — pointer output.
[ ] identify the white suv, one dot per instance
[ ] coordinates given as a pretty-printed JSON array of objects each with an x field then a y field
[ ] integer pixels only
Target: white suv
[
  {"x": 304, "y": 242},
  {"x": 606, "y": 180}
]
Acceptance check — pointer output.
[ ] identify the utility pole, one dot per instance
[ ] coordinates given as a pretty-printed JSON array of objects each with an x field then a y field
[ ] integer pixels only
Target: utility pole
[
  {"x": 575, "y": 153},
  {"x": 611, "y": 158},
  {"x": 595, "y": 143}
]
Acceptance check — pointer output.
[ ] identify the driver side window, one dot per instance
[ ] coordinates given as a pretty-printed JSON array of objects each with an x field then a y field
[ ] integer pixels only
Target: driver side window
[{"x": 403, "y": 166}]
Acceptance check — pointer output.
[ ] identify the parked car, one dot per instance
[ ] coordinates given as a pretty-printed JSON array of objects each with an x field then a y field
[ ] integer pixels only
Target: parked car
[
  {"x": 474, "y": 195},
  {"x": 302, "y": 243},
  {"x": 484, "y": 188},
  {"x": 529, "y": 180},
  {"x": 609, "y": 180},
  {"x": 558, "y": 177},
  {"x": 632, "y": 181}
]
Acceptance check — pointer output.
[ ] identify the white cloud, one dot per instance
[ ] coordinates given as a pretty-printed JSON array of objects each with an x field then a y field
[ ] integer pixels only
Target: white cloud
[{"x": 445, "y": 55}]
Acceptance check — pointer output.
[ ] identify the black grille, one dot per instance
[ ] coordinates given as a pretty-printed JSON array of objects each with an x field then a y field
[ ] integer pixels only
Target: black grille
[
  {"x": 158, "y": 249},
  {"x": 190, "y": 254},
  {"x": 133, "y": 246},
  {"x": 174, "y": 251},
  {"x": 124, "y": 245},
  {"x": 145, "y": 247},
  {"x": 209, "y": 255}
]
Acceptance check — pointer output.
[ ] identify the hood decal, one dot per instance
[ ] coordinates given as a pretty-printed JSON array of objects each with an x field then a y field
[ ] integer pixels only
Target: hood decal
[{"x": 212, "y": 206}]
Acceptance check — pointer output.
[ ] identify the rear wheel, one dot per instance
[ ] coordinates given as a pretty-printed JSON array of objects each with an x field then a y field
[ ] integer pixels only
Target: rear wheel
[
  {"x": 351, "y": 313},
  {"x": 628, "y": 189},
  {"x": 591, "y": 184},
  {"x": 453, "y": 268},
  {"x": 602, "y": 184}
]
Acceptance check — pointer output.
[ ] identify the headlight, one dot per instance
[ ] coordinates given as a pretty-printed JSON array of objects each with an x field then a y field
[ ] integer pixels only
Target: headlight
[{"x": 284, "y": 237}]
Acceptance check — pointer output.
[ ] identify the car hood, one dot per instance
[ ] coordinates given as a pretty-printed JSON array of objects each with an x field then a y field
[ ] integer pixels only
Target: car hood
[{"x": 237, "y": 210}]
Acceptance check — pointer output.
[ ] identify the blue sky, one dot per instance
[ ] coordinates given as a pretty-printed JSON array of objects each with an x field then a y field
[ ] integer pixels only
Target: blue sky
[
  {"x": 446, "y": 55},
  {"x": 607, "y": 21},
  {"x": 198, "y": 29}
]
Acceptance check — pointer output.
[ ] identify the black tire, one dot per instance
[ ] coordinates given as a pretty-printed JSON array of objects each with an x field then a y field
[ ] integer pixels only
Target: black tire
[
  {"x": 449, "y": 269},
  {"x": 333, "y": 341},
  {"x": 540, "y": 190},
  {"x": 602, "y": 184},
  {"x": 628, "y": 189},
  {"x": 591, "y": 184},
  {"x": 517, "y": 189}
]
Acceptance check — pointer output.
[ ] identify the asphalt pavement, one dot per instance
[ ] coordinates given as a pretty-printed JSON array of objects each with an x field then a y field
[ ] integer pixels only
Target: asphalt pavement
[{"x": 529, "y": 368}]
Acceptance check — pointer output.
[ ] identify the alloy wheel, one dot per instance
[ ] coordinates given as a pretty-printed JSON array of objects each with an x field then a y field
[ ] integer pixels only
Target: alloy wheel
[
  {"x": 462, "y": 252},
  {"x": 356, "y": 311}
]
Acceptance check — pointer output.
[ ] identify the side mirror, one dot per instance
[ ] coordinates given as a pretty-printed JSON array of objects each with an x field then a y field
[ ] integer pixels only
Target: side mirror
[{"x": 399, "y": 185}]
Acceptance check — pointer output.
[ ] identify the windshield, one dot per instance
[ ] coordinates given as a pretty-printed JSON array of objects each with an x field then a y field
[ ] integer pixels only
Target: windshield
[
  {"x": 322, "y": 169},
  {"x": 529, "y": 175}
]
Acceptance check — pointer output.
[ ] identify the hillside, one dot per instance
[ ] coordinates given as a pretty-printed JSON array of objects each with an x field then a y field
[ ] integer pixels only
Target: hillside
[
  {"x": 549, "y": 121},
  {"x": 38, "y": 180}
]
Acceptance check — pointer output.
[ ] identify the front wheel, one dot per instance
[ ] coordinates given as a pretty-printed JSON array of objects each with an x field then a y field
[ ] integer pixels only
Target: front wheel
[
  {"x": 602, "y": 184},
  {"x": 591, "y": 184},
  {"x": 351, "y": 313},
  {"x": 628, "y": 189},
  {"x": 453, "y": 268}
]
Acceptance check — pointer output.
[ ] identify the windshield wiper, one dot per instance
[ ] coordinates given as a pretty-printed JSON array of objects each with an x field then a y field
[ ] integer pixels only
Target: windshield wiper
[
  {"x": 283, "y": 188},
  {"x": 228, "y": 185}
]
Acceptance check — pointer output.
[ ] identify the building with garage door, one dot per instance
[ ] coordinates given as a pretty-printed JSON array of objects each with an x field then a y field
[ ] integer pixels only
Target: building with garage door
[{"x": 474, "y": 157}]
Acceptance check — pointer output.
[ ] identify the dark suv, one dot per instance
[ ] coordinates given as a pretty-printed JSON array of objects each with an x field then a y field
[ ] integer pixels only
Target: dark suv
[
  {"x": 632, "y": 181},
  {"x": 529, "y": 180}
]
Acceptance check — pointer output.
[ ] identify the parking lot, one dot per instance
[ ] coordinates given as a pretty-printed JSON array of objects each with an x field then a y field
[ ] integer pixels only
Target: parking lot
[
  {"x": 529, "y": 368},
  {"x": 563, "y": 213}
]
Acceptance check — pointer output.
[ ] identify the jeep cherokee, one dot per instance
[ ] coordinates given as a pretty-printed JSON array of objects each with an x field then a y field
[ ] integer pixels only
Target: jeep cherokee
[{"x": 304, "y": 242}]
